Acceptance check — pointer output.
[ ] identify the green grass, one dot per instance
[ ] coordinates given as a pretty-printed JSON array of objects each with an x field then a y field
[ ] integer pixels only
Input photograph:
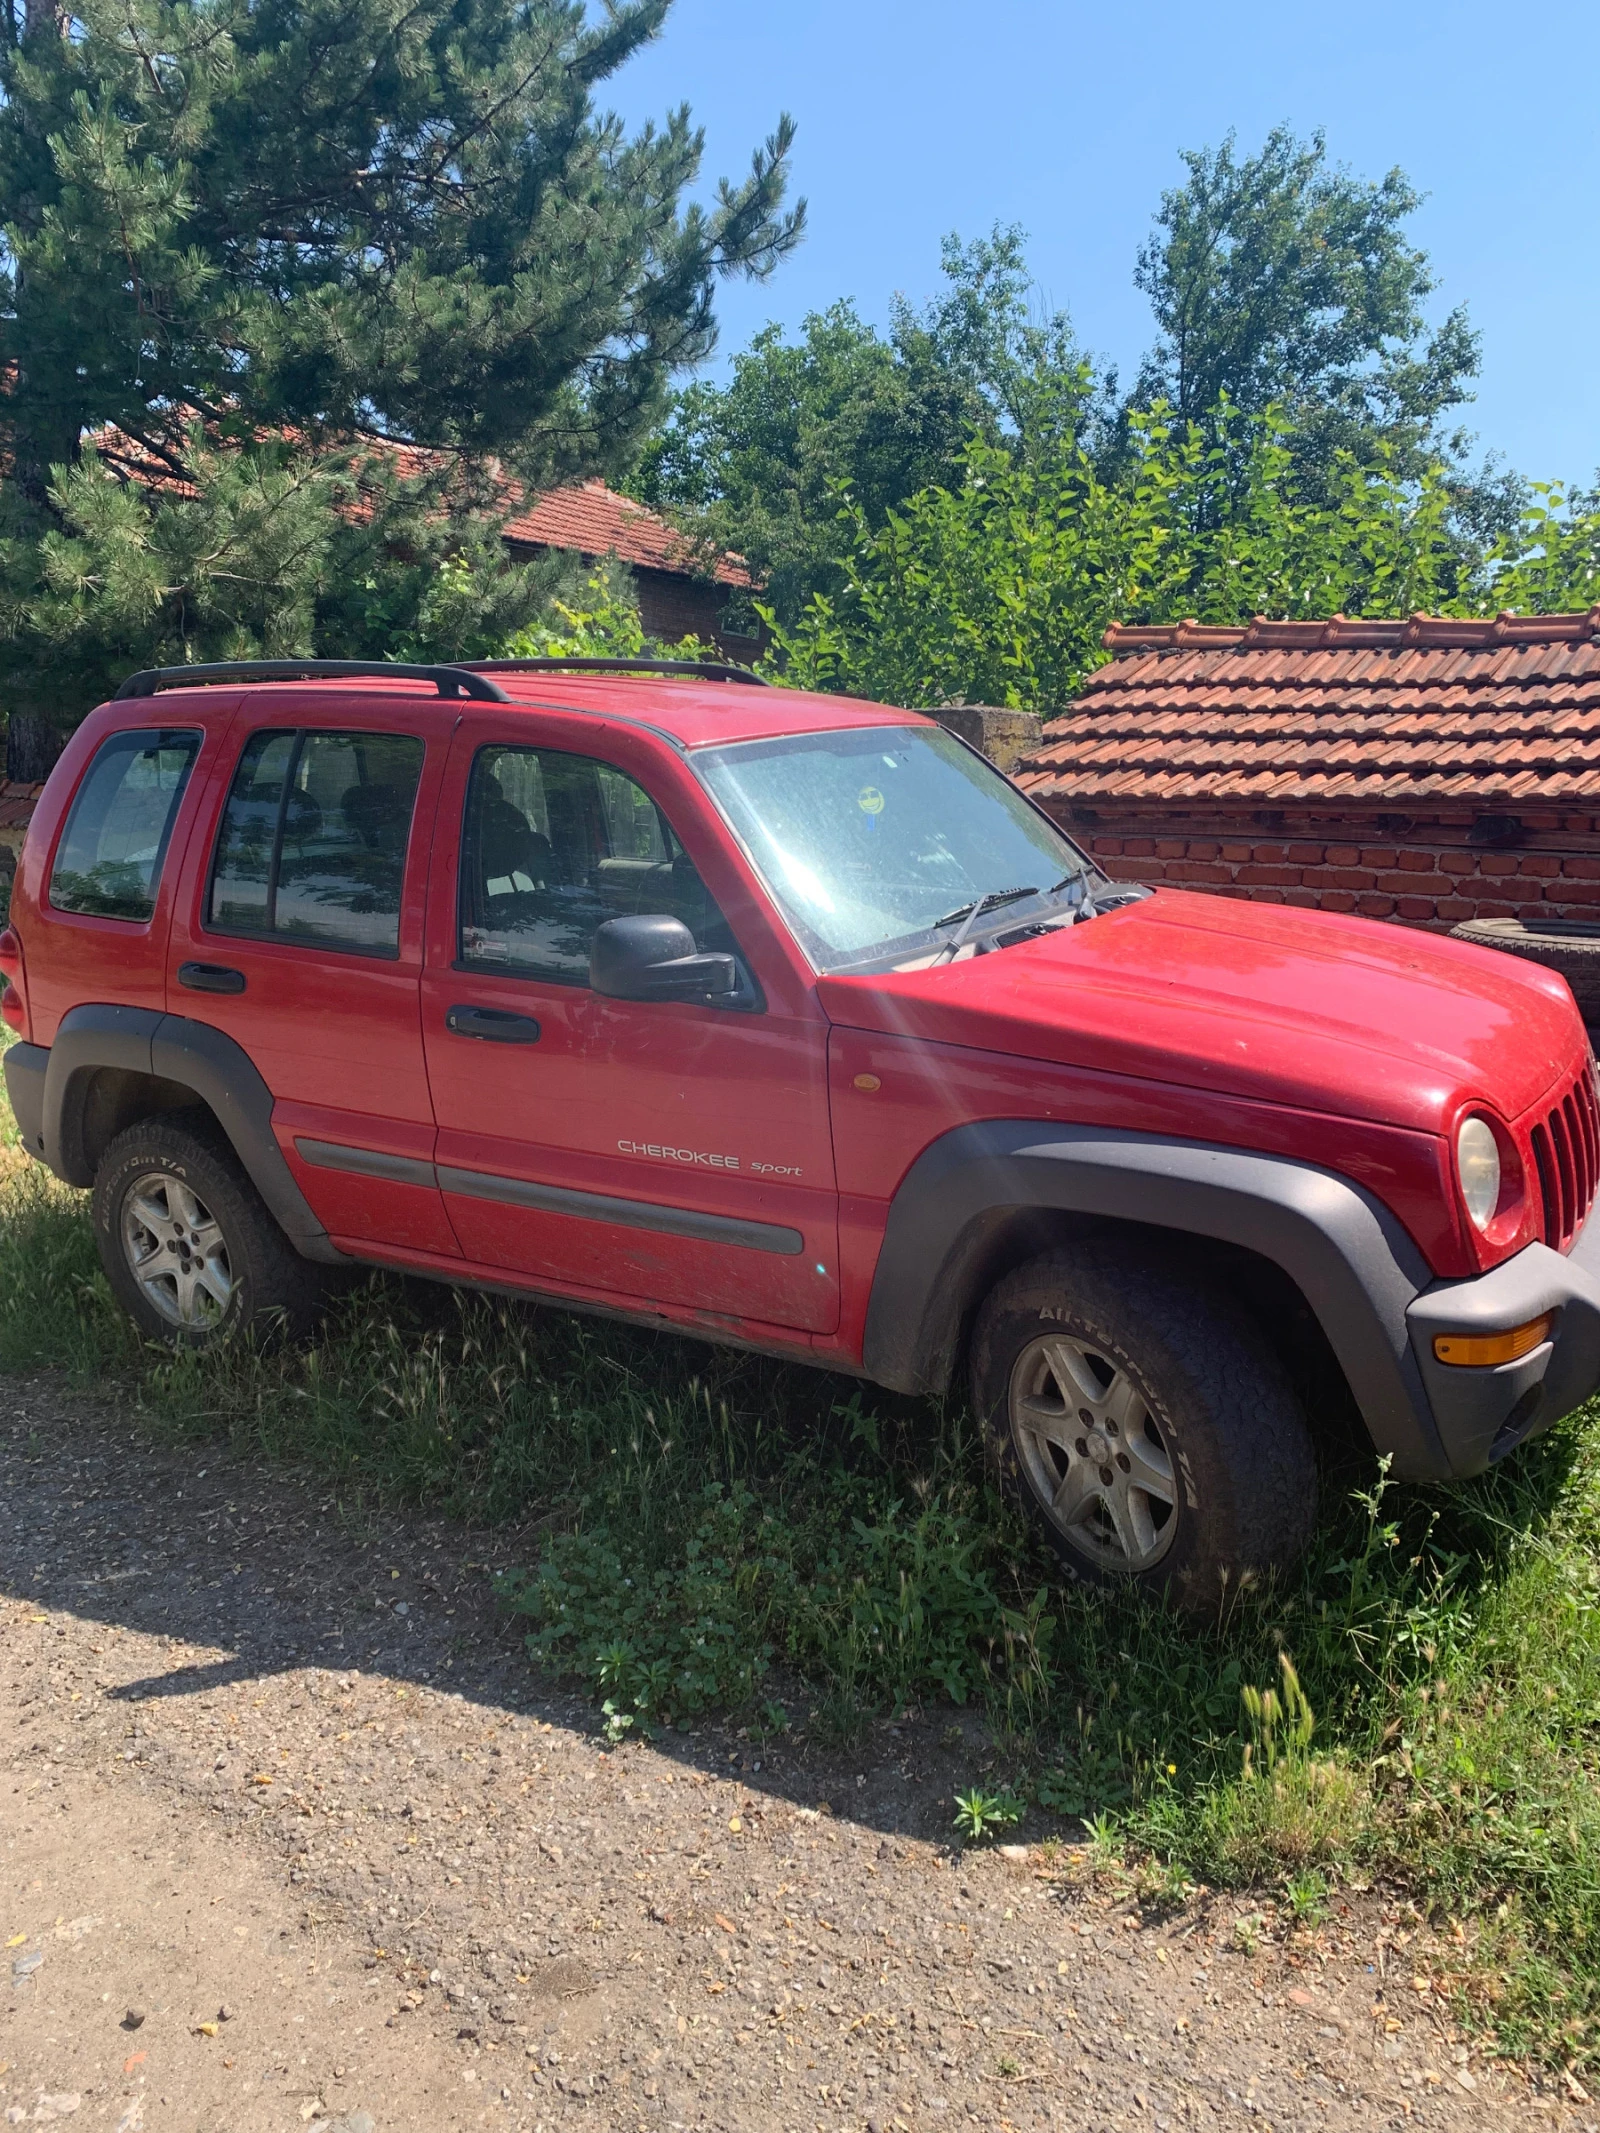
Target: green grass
[{"x": 704, "y": 1532}]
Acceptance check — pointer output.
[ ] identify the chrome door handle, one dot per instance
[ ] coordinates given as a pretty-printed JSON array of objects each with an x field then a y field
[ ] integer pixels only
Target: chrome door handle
[{"x": 494, "y": 1024}]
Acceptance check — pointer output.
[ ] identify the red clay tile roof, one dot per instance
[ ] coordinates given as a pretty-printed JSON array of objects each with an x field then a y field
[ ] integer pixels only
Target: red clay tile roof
[
  {"x": 589, "y": 517},
  {"x": 1433, "y": 709},
  {"x": 596, "y": 521},
  {"x": 16, "y": 803}
]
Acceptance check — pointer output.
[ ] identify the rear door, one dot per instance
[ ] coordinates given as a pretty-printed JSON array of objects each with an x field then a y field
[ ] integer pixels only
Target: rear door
[
  {"x": 663, "y": 1153},
  {"x": 300, "y": 935}
]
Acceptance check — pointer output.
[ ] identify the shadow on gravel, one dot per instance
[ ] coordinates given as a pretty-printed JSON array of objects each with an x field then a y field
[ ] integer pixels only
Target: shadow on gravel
[{"x": 275, "y": 1574}]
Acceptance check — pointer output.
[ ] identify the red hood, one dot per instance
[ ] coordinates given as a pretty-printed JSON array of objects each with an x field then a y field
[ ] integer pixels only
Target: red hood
[{"x": 1333, "y": 1014}]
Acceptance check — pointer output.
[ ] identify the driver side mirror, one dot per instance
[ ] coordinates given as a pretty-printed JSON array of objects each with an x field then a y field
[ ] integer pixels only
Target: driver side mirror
[{"x": 653, "y": 957}]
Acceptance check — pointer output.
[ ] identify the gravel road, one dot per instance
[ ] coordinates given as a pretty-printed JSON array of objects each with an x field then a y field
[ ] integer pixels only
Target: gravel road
[{"x": 292, "y": 1837}]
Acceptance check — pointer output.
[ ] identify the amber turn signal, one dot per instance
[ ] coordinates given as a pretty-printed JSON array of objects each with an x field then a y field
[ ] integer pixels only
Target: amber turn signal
[
  {"x": 1485, "y": 1348},
  {"x": 866, "y": 1083}
]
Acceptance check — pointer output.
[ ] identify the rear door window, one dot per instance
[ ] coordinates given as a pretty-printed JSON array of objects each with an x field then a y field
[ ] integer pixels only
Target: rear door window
[
  {"x": 108, "y": 863},
  {"x": 313, "y": 840}
]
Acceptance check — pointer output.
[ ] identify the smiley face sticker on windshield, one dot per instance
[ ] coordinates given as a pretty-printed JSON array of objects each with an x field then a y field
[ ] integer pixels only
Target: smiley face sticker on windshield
[{"x": 870, "y": 801}]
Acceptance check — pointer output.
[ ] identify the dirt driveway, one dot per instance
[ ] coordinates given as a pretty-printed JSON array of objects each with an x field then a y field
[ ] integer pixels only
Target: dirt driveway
[{"x": 290, "y": 1837}]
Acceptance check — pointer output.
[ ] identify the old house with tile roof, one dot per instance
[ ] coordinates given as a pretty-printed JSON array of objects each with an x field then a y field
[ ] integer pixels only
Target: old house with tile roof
[
  {"x": 1432, "y": 770},
  {"x": 681, "y": 593},
  {"x": 683, "y": 590}
]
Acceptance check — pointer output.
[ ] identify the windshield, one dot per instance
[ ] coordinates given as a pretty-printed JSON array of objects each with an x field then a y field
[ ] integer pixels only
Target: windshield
[{"x": 890, "y": 844}]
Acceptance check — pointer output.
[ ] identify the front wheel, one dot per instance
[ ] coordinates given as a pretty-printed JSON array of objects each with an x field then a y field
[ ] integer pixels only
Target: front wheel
[
  {"x": 189, "y": 1248},
  {"x": 1144, "y": 1422}
]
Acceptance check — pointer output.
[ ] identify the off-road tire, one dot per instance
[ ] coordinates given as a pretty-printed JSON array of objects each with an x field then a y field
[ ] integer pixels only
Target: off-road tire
[
  {"x": 1193, "y": 1365},
  {"x": 271, "y": 1291},
  {"x": 1570, "y": 947}
]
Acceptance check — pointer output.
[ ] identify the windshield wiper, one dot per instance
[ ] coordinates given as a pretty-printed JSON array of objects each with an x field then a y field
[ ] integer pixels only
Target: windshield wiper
[
  {"x": 1097, "y": 892},
  {"x": 991, "y": 902},
  {"x": 969, "y": 914}
]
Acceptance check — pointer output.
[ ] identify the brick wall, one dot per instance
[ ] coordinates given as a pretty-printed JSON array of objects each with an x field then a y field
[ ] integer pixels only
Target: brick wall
[
  {"x": 1427, "y": 872},
  {"x": 672, "y": 607}
]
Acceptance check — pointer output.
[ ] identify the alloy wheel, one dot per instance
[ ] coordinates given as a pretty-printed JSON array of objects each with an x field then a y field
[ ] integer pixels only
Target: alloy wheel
[
  {"x": 176, "y": 1252},
  {"x": 1093, "y": 1453}
]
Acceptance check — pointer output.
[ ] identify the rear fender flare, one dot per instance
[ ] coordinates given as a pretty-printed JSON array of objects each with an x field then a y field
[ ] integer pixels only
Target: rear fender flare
[
  {"x": 171, "y": 1048},
  {"x": 1354, "y": 1263}
]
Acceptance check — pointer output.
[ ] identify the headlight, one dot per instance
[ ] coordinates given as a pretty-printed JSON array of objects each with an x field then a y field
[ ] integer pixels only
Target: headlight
[{"x": 1478, "y": 1167}]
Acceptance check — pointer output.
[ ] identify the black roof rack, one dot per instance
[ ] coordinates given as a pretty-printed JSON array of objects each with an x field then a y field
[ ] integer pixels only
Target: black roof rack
[
  {"x": 448, "y": 680},
  {"x": 702, "y": 669}
]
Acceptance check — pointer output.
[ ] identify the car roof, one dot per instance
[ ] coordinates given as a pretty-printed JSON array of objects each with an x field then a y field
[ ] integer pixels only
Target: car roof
[
  {"x": 693, "y": 714},
  {"x": 702, "y": 714}
]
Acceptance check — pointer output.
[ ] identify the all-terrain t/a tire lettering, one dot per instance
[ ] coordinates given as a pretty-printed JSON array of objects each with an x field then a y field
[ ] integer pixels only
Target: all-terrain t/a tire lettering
[{"x": 1142, "y": 1420}]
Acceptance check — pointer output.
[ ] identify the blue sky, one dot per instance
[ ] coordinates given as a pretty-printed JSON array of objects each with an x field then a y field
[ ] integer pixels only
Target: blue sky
[{"x": 921, "y": 116}]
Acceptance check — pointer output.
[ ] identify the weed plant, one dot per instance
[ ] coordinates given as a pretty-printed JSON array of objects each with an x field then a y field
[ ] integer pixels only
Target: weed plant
[{"x": 702, "y": 1531}]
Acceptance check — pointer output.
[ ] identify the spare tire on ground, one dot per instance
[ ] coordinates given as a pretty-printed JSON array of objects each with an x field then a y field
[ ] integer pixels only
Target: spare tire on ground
[{"x": 1570, "y": 946}]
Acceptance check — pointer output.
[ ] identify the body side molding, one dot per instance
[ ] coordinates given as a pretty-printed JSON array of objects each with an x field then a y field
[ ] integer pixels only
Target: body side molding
[
  {"x": 1354, "y": 1263},
  {"x": 627, "y": 1214},
  {"x": 365, "y": 1162}
]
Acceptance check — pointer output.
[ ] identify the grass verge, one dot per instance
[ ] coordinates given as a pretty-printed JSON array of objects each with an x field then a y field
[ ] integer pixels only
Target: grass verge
[{"x": 1422, "y": 1703}]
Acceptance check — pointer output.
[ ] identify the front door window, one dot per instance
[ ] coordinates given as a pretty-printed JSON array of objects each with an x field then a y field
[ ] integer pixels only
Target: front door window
[{"x": 553, "y": 846}]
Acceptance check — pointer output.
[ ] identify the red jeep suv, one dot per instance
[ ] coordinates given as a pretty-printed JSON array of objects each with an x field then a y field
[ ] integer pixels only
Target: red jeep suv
[{"x": 785, "y": 1021}]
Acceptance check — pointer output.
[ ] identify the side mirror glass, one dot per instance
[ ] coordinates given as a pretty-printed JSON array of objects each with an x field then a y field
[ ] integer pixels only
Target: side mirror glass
[{"x": 653, "y": 957}]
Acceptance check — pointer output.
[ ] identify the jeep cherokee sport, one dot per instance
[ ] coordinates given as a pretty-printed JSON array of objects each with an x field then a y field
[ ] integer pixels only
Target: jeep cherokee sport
[{"x": 786, "y": 1021}]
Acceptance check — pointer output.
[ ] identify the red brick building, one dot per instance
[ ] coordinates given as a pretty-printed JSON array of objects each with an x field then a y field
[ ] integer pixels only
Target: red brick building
[{"x": 1432, "y": 770}]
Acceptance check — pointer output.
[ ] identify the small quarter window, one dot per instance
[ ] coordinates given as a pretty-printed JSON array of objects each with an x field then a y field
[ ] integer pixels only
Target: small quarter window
[
  {"x": 108, "y": 863},
  {"x": 313, "y": 840},
  {"x": 556, "y": 844}
]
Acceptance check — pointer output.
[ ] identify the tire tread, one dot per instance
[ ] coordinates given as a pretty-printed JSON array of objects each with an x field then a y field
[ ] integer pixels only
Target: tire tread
[{"x": 1261, "y": 1475}]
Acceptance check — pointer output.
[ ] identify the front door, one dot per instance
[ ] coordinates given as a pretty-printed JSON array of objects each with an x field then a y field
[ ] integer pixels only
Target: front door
[
  {"x": 300, "y": 934},
  {"x": 662, "y": 1153}
]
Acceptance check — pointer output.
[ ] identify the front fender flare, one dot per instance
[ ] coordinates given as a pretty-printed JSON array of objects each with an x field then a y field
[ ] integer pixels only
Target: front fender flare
[{"x": 1354, "y": 1263}]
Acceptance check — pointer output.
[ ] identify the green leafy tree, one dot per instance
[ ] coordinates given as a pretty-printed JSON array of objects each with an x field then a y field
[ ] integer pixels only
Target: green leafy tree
[
  {"x": 342, "y": 223},
  {"x": 598, "y": 620},
  {"x": 1549, "y": 564},
  {"x": 756, "y": 465},
  {"x": 999, "y": 588},
  {"x": 1280, "y": 279}
]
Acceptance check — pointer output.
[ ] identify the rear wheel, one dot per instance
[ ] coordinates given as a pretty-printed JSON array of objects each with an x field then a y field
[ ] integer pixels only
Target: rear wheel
[
  {"x": 1141, "y": 1419},
  {"x": 188, "y": 1246}
]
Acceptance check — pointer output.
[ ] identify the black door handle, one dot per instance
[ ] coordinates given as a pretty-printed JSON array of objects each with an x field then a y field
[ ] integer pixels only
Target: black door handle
[
  {"x": 493, "y": 1023},
  {"x": 210, "y": 977}
]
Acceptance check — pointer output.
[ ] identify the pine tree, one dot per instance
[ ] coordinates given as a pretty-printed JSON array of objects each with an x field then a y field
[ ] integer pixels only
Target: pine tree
[{"x": 262, "y": 240}]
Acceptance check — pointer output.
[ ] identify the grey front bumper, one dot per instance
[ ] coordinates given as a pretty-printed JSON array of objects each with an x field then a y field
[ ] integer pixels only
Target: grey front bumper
[{"x": 1484, "y": 1413}]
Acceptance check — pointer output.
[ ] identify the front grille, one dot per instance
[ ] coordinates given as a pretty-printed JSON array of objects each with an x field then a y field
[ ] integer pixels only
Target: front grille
[{"x": 1566, "y": 1149}]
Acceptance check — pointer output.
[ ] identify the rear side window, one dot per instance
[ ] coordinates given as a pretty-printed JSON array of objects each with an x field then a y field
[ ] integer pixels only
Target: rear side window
[
  {"x": 108, "y": 863},
  {"x": 313, "y": 840}
]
